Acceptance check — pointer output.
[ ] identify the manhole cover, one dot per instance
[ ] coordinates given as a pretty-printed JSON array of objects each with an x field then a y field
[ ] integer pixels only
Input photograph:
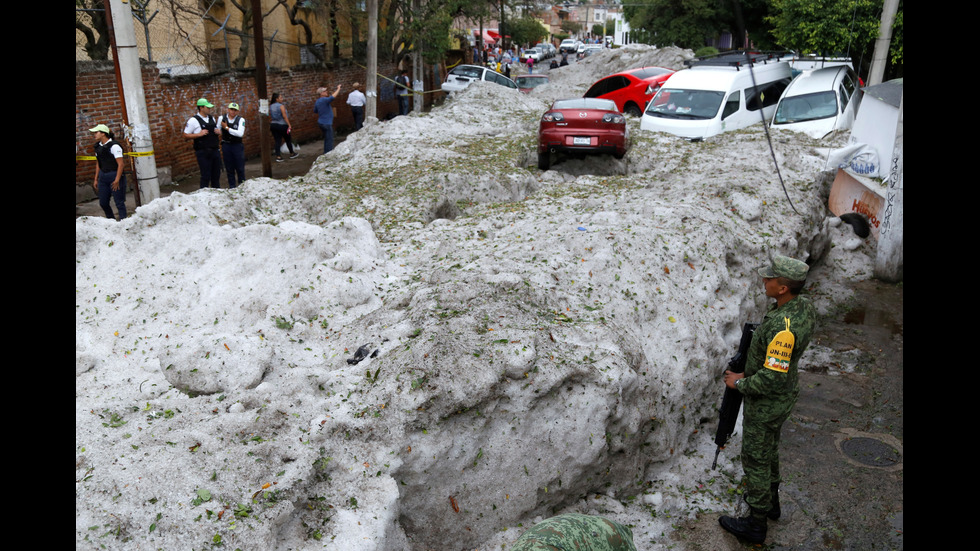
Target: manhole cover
[{"x": 870, "y": 452}]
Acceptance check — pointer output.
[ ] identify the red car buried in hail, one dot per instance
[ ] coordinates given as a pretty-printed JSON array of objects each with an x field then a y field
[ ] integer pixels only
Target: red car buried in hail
[
  {"x": 632, "y": 89},
  {"x": 581, "y": 125}
]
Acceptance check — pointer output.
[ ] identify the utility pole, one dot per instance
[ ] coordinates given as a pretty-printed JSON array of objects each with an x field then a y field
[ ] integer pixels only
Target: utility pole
[
  {"x": 418, "y": 70},
  {"x": 882, "y": 45},
  {"x": 890, "y": 256},
  {"x": 372, "y": 60},
  {"x": 261, "y": 88},
  {"x": 130, "y": 80}
]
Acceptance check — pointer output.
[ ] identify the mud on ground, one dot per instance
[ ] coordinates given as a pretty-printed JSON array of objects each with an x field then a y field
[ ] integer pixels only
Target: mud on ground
[{"x": 842, "y": 456}]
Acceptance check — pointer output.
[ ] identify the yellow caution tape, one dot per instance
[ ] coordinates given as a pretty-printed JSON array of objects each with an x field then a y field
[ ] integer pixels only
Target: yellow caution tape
[
  {"x": 128, "y": 154},
  {"x": 401, "y": 86}
]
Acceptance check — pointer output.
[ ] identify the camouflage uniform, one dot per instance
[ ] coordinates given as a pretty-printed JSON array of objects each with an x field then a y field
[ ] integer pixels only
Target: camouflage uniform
[
  {"x": 770, "y": 394},
  {"x": 576, "y": 532}
]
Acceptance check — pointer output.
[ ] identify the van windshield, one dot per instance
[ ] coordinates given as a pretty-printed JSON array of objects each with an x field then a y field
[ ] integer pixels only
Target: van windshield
[
  {"x": 675, "y": 103},
  {"x": 809, "y": 107}
]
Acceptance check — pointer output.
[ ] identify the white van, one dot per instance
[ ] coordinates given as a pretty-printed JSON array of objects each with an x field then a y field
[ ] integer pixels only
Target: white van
[
  {"x": 718, "y": 94},
  {"x": 820, "y": 101}
]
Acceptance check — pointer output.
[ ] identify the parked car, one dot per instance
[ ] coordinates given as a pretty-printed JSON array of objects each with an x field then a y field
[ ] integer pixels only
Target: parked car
[
  {"x": 632, "y": 89},
  {"x": 819, "y": 101},
  {"x": 526, "y": 83},
  {"x": 546, "y": 48},
  {"x": 532, "y": 53},
  {"x": 569, "y": 45},
  {"x": 462, "y": 76},
  {"x": 591, "y": 49},
  {"x": 581, "y": 125},
  {"x": 716, "y": 95}
]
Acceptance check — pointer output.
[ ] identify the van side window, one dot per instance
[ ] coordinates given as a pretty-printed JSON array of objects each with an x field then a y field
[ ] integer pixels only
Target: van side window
[
  {"x": 765, "y": 95},
  {"x": 731, "y": 106},
  {"x": 848, "y": 85},
  {"x": 500, "y": 79}
]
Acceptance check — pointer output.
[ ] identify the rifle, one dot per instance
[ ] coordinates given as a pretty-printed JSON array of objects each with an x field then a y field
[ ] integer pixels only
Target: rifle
[{"x": 732, "y": 399}]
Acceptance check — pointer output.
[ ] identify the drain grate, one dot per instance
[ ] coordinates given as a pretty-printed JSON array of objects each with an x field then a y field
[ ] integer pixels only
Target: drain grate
[{"x": 869, "y": 451}]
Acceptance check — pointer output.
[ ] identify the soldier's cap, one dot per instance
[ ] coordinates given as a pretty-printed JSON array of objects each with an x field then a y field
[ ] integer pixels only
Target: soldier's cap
[
  {"x": 100, "y": 128},
  {"x": 204, "y": 103},
  {"x": 233, "y": 105},
  {"x": 784, "y": 266}
]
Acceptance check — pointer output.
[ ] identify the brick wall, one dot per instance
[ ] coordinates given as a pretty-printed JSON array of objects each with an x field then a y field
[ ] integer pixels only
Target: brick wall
[{"x": 171, "y": 101}]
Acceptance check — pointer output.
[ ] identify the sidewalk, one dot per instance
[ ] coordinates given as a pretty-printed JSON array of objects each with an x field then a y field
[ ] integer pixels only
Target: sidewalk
[{"x": 300, "y": 166}]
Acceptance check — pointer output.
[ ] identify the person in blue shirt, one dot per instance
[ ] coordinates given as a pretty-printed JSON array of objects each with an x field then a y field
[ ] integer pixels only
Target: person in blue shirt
[{"x": 324, "y": 111}]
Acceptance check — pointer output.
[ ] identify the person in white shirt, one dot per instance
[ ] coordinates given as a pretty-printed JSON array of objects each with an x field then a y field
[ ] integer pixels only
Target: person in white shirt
[
  {"x": 110, "y": 179},
  {"x": 232, "y": 147},
  {"x": 356, "y": 100}
]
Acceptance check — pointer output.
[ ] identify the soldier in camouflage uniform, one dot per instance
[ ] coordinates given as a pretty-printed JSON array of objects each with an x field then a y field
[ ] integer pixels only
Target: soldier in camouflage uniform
[
  {"x": 576, "y": 532},
  {"x": 770, "y": 386}
]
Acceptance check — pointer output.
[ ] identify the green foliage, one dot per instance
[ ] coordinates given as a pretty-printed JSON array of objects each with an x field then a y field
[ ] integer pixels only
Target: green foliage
[
  {"x": 429, "y": 29},
  {"x": 706, "y": 51},
  {"x": 833, "y": 27},
  {"x": 897, "y": 48},
  {"x": 825, "y": 26},
  {"x": 571, "y": 27},
  {"x": 682, "y": 23},
  {"x": 526, "y": 30}
]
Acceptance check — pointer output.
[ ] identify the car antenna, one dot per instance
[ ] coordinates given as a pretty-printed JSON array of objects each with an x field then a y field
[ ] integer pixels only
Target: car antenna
[{"x": 765, "y": 126}]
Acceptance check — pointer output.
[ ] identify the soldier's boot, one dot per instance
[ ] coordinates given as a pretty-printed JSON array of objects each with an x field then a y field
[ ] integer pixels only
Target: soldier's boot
[
  {"x": 774, "y": 512},
  {"x": 751, "y": 528}
]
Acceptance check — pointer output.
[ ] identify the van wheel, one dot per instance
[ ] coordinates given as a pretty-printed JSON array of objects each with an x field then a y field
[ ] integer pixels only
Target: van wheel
[
  {"x": 633, "y": 110},
  {"x": 544, "y": 160}
]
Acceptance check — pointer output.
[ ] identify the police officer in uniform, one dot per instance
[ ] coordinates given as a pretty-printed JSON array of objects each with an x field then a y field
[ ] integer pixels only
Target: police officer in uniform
[
  {"x": 769, "y": 387},
  {"x": 110, "y": 180},
  {"x": 203, "y": 129},
  {"x": 232, "y": 149}
]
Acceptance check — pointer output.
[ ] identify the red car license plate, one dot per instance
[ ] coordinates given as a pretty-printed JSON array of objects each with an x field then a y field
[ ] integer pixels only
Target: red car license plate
[{"x": 581, "y": 141}]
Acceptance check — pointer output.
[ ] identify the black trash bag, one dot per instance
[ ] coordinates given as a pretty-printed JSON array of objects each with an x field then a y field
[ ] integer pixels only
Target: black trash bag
[{"x": 361, "y": 353}]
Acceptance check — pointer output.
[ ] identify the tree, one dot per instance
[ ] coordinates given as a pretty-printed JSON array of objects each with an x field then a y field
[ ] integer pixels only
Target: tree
[
  {"x": 304, "y": 14},
  {"x": 682, "y": 23},
  {"x": 526, "y": 30},
  {"x": 189, "y": 13},
  {"x": 824, "y": 26},
  {"x": 571, "y": 27},
  {"x": 90, "y": 20},
  {"x": 832, "y": 27},
  {"x": 748, "y": 17}
]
